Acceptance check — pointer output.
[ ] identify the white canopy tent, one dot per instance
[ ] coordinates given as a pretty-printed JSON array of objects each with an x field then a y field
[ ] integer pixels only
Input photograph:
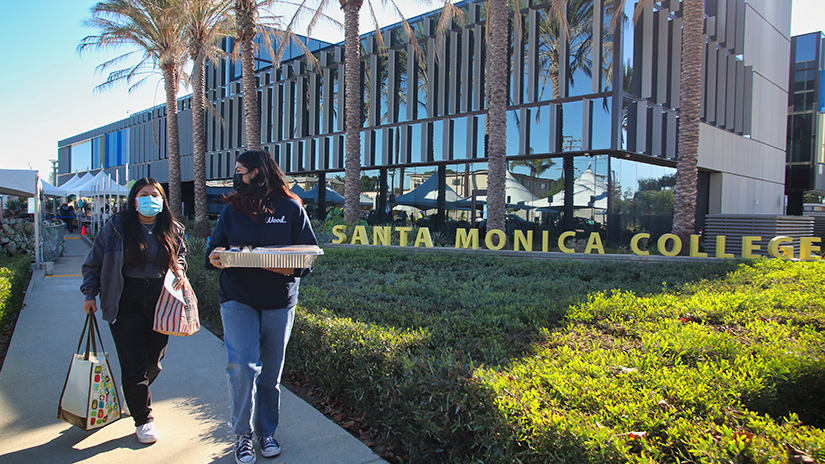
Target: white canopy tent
[
  {"x": 77, "y": 179},
  {"x": 425, "y": 196},
  {"x": 516, "y": 194},
  {"x": 366, "y": 201},
  {"x": 100, "y": 186},
  {"x": 50, "y": 190},
  {"x": 18, "y": 182},
  {"x": 25, "y": 183},
  {"x": 589, "y": 191}
]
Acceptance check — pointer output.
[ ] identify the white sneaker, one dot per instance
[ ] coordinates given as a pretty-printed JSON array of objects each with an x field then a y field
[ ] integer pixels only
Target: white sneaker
[{"x": 147, "y": 433}]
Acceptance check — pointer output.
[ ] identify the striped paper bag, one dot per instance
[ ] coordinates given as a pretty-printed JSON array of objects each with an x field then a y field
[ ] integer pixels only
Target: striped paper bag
[{"x": 176, "y": 312}]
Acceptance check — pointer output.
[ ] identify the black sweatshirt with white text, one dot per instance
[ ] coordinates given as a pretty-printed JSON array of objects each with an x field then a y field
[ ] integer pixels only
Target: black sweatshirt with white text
[{"x": 288, "y": 224}]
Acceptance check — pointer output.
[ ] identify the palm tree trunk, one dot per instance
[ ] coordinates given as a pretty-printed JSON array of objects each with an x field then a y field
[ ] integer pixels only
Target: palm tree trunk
[
  {"x": 690, "y": 99},
  {"x": 199, "y": 144},
  {"x": 497, "y": 114},
  {"x": 352, "y": 108},
  {"x": 246, "y": 30},
  {"x": 172, "y": 140}
]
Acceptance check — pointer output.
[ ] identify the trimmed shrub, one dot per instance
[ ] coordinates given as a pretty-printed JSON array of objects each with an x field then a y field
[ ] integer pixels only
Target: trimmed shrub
[
  {"x": 14, "y": 277},
  {"x": 464, "y": 358}
]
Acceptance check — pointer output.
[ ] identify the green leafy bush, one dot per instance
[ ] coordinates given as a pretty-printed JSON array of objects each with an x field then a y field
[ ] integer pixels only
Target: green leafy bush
[
  {"x": 459, "y": 358},
  {"x": 14, "y": 277},
  {"x": 205, "y": 283}
]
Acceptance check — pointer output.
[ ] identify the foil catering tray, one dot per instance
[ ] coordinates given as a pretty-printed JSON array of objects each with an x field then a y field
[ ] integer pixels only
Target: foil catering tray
[{"x": 290, "y": 256}]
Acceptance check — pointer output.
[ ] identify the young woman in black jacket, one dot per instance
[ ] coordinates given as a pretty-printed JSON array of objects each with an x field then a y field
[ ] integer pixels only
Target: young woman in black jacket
[
  {"x": 126, "y": 267},
  {"x": 257, "y": 304}
]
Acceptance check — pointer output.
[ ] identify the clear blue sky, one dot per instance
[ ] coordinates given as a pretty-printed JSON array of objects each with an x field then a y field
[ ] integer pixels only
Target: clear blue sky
[{"x": 47, "y": 88}]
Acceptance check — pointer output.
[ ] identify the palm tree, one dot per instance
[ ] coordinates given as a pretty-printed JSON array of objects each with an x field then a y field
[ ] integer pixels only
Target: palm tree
[
  {"x": 155, "y": 28},
  {"x": 352, "y": 93},
  {"x": 352, "y": 109},
  {"x": 246, "y": 20},
  {"x": 496, "y": 121},
  {"x": 689, "y": 101},
  {"x": 536, "y": 166},
  {"x": 206, "y": 23},
  {"x": 249, "y": 22}
]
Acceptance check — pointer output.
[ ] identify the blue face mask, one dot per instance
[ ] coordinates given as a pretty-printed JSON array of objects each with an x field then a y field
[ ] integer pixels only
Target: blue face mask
[{"x": 149, "y": 206}]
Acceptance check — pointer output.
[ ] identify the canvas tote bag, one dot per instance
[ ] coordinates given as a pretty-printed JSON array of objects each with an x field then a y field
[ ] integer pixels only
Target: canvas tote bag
[
  {"x": 90, "y": 398},
  {"x": 176, "y": 312}
]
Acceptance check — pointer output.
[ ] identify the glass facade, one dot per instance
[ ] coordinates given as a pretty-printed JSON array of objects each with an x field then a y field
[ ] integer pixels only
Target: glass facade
[
  {"x": 591, "y": 124},
  {"x": 104, "y": 151},
  {"x": 805, "y": 154}
]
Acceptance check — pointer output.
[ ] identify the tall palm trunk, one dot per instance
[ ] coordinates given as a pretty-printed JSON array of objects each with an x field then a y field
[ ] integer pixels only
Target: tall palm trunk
[
  {"x": 199, "y": 143},
  {"x": 690, "y": 99},
  {"x": 246, "y": 31},
  {"x": 497, "y": 114},
  {"x": 172, "y": 139},
  {"x": 352, "y": 108}
]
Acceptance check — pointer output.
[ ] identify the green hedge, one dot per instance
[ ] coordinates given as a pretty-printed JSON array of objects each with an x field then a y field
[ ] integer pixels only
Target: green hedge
[
  {"x": 724, "y": 371},
  {"x": 205, "y": 283},
  {"x": 458, "y": 359},
  {"x": 14, "y": 277}
]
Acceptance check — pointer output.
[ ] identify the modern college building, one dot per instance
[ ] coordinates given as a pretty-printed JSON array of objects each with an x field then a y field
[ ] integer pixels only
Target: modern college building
[
  {"x": 601, "y": 102},
  {"x": 805, "y": 168}
]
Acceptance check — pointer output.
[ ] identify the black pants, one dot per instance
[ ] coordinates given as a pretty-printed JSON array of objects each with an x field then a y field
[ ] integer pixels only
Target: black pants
[{"x": 139, "y": 348}]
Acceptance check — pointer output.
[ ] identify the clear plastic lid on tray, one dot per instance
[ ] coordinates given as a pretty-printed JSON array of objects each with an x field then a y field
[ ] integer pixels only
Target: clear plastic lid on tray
[{"x": 289, "y": 256}]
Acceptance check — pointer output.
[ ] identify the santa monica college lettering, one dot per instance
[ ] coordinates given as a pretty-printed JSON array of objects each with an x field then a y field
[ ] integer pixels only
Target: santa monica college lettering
[{"x": 668, "y": 244}]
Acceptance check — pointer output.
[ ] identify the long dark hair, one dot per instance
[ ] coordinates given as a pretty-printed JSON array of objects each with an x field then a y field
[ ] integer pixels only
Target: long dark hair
[
  {"x": 165, "y": 230},
  {"x": 269, "y": 182}
]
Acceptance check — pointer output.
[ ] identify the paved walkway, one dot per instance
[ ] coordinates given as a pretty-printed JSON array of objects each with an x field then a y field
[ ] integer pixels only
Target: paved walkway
[{"x": 190, "y": 395}]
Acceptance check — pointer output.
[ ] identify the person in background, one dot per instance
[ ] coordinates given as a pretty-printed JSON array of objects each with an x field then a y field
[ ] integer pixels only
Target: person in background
[
  {"x": 66, "y": 213},
  {"x": 126, "y": 267},
  {"x": 257, "y": 305}
]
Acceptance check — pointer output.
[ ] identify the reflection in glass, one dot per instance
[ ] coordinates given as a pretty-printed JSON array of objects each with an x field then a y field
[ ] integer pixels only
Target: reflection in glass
[
  {"x": 608, "y": 27},
  {"x": 806, "y": 47},
  {"x": 81, "y": 156},
  {"x": 402, "y": 86},
  {"x": 549, "y": 43},
  {"x": 422, "y": 84},
  {"x": 572, "y": 126},
  {"x": 580, "y": 19},
  {"x": 416, "y": 155},
  {"x": 602, "y": 123},
  {"x": 481, "y": 145},
  {"x": 513, "y": 128},
  {"x": 641, "y": 200},
  {"x": 459, "y": 143},
  {"x": 539, "y": 130},
  {"x": 628, "y": 37}
]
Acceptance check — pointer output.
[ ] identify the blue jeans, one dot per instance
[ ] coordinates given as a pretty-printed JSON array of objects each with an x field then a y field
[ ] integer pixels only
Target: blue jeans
[{"x": 255, "y": 347}]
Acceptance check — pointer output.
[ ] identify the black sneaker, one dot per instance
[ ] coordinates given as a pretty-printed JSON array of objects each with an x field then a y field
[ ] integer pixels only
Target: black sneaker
[
  {"x": 244, "y": 451},
  {"x": 269, "y": 446}
]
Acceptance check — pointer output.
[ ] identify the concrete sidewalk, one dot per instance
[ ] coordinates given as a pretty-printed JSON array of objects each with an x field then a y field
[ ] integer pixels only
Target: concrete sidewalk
[{"x": 189, "y": 397}]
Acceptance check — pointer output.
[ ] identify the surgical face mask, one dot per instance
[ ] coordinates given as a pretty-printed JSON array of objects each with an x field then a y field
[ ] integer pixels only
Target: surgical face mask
[{"x": 149, "y": 206}]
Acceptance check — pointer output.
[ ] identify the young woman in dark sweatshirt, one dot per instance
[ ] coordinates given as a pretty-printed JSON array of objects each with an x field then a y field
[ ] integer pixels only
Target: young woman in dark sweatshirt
[{"x": 257, "y": 305}]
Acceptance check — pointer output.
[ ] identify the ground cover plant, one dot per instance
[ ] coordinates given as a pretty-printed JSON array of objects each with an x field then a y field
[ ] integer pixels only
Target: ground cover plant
[
  {"x": 462, "y": 358},
  {"x": 14, "y": 278}
]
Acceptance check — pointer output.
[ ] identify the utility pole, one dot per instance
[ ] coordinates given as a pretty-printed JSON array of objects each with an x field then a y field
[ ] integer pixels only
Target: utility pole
[{"x": 54, "y": 182}]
